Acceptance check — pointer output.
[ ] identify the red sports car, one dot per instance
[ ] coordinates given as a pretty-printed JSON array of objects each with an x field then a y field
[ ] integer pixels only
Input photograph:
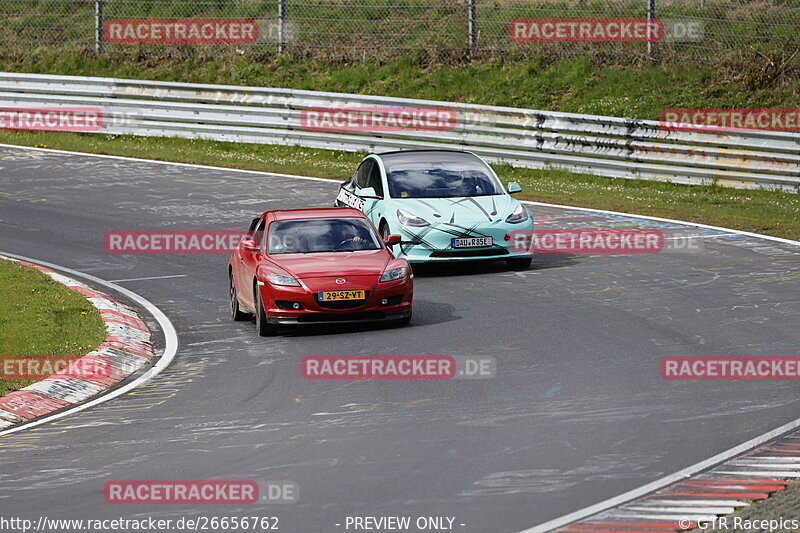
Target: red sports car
[{"x": 317, "y": 266}]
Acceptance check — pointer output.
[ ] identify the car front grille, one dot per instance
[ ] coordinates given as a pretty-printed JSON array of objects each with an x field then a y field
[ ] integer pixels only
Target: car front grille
[
  {"x": 491, "y": 252},
  {"x": 340, "y": 317}
]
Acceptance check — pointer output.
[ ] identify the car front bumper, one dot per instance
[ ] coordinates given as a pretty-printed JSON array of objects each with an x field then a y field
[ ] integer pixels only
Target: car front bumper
[
  {"x": 398, "y": 293},
  {"x": 435, "y": 245},
  {"x": 340, "y": 318}
]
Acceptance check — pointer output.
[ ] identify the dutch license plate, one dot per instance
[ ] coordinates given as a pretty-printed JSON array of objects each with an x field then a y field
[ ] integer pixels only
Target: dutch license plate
[
  {"x": 330, "y": 296},
  {"x": 472, "y": 242}
]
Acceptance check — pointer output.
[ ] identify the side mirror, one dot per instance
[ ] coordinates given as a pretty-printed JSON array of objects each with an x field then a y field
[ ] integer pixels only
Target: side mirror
[
  {"x": 514, "y": 187},
  {"x": 391, "y": 240},
  {"x": 248, "y": 244},
  {"x": 367, "y": 192}
]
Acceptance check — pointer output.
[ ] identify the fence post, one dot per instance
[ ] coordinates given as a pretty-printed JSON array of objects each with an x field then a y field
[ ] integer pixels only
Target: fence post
[
  {"x": 281, "y": 26},
  {"x": 472, "y": 24},
  {"x": 651, "y": 17},
  {"x": 98, "y": 27}
]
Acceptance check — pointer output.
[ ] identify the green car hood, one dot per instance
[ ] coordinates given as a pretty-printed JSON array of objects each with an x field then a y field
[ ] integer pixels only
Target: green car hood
[{"x": 461, "y": 211}]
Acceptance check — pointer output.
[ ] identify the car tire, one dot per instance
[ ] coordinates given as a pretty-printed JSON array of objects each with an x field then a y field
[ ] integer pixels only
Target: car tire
[
  {"x": 236, "y": 312},
  {"x": 384, "y": 230},
  {"x": 519, "y": 263},
  {"x": 263, "y": 328}
]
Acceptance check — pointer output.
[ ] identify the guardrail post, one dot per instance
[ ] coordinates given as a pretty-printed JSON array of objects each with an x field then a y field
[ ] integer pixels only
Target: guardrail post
[
  {"x": 651, "y": 17},
  {"x": 281, "y": 26},
  {"x": 472, "y": 24},
  {"x": 98, "y": 27}
]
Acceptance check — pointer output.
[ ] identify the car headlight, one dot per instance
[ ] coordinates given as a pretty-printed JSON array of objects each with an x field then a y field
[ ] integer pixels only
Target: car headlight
[
  {"x": 407, "y": 219},
  {"x": 393, "y": 274},
  {"x": 280, "y": 279},
  {"x": 520, "y": 214}
]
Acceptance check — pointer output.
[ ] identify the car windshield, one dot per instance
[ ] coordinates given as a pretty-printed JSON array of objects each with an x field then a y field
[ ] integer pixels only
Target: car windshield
[
  {"x": 438, "y": 175},
  {"x": 316, "y": 235}
]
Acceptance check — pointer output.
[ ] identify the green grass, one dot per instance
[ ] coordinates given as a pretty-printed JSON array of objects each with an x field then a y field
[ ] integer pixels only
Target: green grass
[
  {"x": 39, "y": 316},
  {"x": 579, "y": 86},
  {"x": 363, "y": 28},
  {"x": 772, "y": 213}
]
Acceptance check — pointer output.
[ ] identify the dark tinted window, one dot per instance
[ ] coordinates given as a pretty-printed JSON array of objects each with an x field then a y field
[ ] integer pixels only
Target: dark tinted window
[
  {"x": 374, "y": 179},
  {"x": 256, "y": 230},
  {"x": 438, "y": 175},
  {"x": 363, "y": 173},
  {"x": 259, "y": 236},
  {"x": 321, "y": 235}
]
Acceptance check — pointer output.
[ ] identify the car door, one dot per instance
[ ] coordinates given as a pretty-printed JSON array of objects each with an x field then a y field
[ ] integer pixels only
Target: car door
[
  {"x": 248, "y": 262},
  {"x": 361, "y": 190},
  {"x": 347, "y": 196}
]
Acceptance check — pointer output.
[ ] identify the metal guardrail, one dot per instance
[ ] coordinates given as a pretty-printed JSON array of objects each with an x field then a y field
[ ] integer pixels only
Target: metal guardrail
[{"x": 605, "y": 146}]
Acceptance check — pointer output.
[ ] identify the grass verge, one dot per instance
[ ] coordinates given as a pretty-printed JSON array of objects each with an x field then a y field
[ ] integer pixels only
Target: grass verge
[
  {"x": 39, "y": 316},
  {"x": 578, "y": 85},
  {"x": 771, "y": 213}
]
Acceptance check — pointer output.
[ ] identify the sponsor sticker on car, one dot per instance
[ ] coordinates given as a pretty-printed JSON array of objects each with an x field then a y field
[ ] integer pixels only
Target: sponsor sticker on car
[
  {"x": 351, "y": 200},
  {"x": 471, "y": 242}
]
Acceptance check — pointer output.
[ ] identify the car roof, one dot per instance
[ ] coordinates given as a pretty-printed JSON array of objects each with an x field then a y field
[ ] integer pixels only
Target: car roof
[
  {"x": 423, "y": 151},
  {"x": 317, "y": 212},
  {"x": 424, "y": 156}
]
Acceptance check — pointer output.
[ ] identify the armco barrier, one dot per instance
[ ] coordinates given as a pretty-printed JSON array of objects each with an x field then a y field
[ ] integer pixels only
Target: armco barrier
[{"x": 605, "y": 146}]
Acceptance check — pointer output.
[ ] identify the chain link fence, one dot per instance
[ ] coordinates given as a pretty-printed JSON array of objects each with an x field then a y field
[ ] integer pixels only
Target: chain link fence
[{"x": 354, "y": 29}]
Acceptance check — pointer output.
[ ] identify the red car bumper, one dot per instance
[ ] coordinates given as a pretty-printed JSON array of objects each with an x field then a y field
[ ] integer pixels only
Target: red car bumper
[{"x": 388, "y": 301}]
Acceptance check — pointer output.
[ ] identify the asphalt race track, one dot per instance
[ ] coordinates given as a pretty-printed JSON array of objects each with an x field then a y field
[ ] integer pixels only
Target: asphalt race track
[{"x": 576, "y": 414}]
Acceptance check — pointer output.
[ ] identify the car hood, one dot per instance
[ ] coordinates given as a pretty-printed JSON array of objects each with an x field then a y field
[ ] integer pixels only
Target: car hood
[
  {"x": 327, "y": 264},
  {"x": 462, "y": 211}
]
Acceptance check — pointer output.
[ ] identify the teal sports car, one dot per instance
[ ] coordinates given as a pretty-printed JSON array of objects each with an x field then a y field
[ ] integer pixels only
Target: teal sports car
[{"x": 445, "y": 205}]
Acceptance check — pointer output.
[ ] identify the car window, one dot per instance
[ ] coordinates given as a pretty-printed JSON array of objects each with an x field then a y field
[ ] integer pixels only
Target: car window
[
  {"x": 258, "y": 235},
  {"x": 256, "y": 230},
  {"x": 317, "y": 235},
  {"x": 374, "y": 180},
  {"x": 438, "y": 175},
  {"x": 253, "y": 224},
  {"x": 362, "y": 174}
]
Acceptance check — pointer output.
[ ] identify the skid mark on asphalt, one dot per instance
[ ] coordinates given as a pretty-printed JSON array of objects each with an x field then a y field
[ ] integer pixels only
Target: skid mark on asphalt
[{"x": 603, "y": 468}]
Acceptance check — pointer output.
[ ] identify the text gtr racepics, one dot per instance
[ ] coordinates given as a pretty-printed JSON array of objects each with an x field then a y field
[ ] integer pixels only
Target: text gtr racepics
[
  {"x": 318, "y": 266},
  {"x": 445, "y": 205}
]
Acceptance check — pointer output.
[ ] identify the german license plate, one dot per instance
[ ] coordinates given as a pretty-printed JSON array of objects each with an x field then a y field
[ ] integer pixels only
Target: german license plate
[
  {"x": 331, "y": 296},
  {"x": 472, "y": 242}
]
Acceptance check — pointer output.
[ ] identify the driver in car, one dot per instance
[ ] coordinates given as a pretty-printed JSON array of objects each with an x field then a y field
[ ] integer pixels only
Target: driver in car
[{"x": 355, "y": 235}]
